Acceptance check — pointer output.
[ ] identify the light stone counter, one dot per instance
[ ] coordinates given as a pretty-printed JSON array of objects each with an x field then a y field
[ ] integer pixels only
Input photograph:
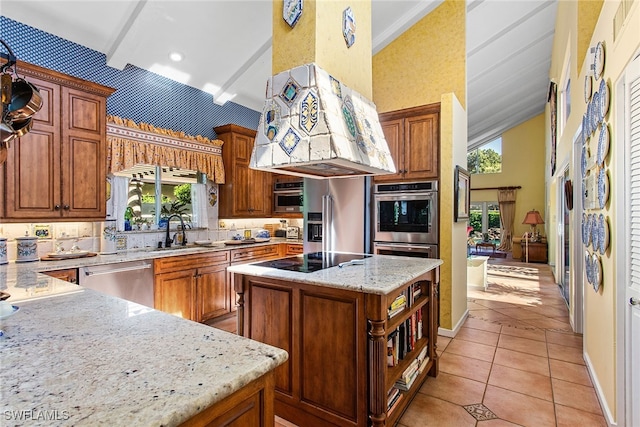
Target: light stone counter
[
  {"x": 379, "y": 274},
  {"x": 22, "y": 281},
  {"x": 89, "y": 359}
]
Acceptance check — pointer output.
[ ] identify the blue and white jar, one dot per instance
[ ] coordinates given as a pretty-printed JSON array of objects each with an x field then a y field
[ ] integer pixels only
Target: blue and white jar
[
  {"x": 27, "y": 249},
  {"x": 3, "y": 251}
]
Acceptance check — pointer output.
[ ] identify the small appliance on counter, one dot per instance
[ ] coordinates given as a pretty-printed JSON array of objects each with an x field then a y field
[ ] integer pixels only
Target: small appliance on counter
[{"x": 293, "y": 233}]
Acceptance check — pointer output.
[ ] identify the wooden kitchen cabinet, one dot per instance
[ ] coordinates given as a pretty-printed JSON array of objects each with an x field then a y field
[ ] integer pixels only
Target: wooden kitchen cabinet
[
  {"x": 246, "y": 192},
  {"x": 194, "y": 287},
  {"x": 57, "y": 171},
  {"x": 247, "y": 255},
  {"x": 413, "y": 136},
  {"x": 293, "y": 249}
]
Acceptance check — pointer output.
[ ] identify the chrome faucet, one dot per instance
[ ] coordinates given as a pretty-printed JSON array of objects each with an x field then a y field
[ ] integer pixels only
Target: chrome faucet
[{"x": 168, "y": 240}]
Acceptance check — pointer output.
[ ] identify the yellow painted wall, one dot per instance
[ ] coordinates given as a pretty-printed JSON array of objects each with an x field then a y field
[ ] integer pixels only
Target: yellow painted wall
[
  {"x": 426, "y": 65},
  {"x": 317, "y": 37},
  {"x": 588, "y": 12},
  {"x": 600, "y": 316},
  {"x": 426, "y": 61},
  {"x": 523, "y": 164},
  {"x": 453, "y": 247}
]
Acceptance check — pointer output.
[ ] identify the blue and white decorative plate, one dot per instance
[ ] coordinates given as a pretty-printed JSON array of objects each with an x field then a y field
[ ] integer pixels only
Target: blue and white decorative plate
[
  {"x": 585, "y": 230},
  {"x": 594, "y": 232},
  {"x": 598, "y": 61},
  {"x": 588, "y": 231},
  {"x": 605, "y": 98},
  {"x": 596, "y": 109},
  {"x": 587, "y": 265},
  {"x": 603, "y": 230},
  {"x": 603, "y": 188},
  {"x": 585, "y": 129},
  {"x": 588, "y": 87},
  {"x": 584, "y": 194},
  {"x": 583, "y": 161},
  {"x": 349, "y": 26},
  {"x": 596, "y": 274},
  {"x": 603, "y": 144},
  {"x": 292, "y": 11}
]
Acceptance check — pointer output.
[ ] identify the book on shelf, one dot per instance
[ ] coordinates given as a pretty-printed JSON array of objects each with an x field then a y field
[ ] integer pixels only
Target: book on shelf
[
  {"x": 394, "y": 404},
  {"x": 397, "y": 305},
  {"x": 416, "y": 290},
  {"x": 419, "y": 324},
  {"x": 392, "y": 349}
]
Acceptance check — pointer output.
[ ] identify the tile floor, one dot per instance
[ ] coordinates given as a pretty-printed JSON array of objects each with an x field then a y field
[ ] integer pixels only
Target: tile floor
[{"x": 514, "y": 362}]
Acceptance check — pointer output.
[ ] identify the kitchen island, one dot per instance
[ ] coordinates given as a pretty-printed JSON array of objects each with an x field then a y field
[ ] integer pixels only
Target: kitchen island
[
  {"x": 343, "y": 343},
  {"x": 80, "y": 357}
]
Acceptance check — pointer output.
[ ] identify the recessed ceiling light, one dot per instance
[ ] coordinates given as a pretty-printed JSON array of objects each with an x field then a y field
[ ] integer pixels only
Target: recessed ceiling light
[{"x": 176, "y": 56}]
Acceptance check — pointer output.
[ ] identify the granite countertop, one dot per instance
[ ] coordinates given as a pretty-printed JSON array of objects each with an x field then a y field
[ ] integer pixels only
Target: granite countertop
[
  {"x": 23, "y": 281},
  {"x": 90, "y": 359},
  {"x": 379, "y": 274}
]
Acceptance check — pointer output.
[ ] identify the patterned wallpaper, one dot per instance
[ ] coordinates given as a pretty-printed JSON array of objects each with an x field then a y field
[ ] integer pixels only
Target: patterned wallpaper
[{"x": 141, "y": 96}]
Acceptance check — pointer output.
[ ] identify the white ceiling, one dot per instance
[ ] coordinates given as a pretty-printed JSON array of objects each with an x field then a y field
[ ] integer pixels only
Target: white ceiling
[{"x": 227, "y": 45}]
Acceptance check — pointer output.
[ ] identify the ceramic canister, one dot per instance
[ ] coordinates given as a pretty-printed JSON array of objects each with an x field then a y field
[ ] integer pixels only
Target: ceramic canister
[
  {"x": 3, "y": 251},
  {"x": 108, "y": 237},
  {"x": 27, "y": 249}
]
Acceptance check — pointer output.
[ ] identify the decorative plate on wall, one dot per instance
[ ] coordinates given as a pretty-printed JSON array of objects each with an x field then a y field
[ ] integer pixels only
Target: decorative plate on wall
[
  {"x": 603, "y": 188},
  {"x": 349, "y": 26},
  {"x": 585, "y": 229},
  {"x": 587, "y": 266},
  {"x": 292, "y": 11},
  {"x": 583, "y": 161},
  {"x": 605, "y": 98},
  {"x": 588, "y": 87},
  {"x": 596, "y": 109},
  {"x": 603, "y": 144},
  {"x": 596, "y": 274},
  {"x": 603, "y": 231},
  {"x": 598, "y": 61},
  {"x": 594, "y": 232}
]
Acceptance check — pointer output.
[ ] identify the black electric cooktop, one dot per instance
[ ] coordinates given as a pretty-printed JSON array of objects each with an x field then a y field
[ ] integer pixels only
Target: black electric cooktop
[{"x": 314, "y": 261}]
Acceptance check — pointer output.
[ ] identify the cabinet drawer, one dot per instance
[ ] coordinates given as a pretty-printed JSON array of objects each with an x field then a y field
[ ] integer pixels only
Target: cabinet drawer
[
  {"x": 182, "y": 262},
  {"x": 293, "y": 248},
  {"x": 255, "y": 253}
]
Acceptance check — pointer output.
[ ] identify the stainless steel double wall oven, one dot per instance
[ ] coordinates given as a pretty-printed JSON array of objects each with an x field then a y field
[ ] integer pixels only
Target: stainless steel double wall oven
[{"x": 406, "y": 219}]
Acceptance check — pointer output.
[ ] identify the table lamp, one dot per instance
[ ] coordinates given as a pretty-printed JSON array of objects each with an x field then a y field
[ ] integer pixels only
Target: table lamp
[{"x": 532, "y": 218}]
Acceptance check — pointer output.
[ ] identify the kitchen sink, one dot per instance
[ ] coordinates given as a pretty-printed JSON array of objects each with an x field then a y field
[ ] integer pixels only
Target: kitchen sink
[{"x": 178, "y": 248}]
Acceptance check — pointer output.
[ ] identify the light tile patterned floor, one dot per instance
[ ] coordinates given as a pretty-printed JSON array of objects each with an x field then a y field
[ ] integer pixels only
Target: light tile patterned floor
[{"x": 515, "y": 362}]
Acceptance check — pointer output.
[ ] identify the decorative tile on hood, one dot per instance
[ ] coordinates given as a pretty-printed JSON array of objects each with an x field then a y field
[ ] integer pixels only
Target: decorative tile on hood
[{"x": 327, "y": 130}]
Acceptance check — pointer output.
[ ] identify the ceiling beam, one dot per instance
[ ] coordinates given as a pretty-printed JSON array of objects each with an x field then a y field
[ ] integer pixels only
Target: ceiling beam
[{"x": 113, "y": 59}]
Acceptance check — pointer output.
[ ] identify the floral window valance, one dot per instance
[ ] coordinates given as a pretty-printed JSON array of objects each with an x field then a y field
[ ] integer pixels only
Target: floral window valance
[{"x": 130, "y": 144}]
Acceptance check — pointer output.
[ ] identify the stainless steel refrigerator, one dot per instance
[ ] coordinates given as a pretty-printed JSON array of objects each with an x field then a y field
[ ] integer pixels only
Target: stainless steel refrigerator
[{"x": 337, "y": 215}]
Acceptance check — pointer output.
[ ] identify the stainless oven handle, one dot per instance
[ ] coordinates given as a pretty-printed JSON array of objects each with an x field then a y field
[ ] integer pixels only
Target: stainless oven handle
[
  {"x": 327, "y": 220},
  {"x": 143, "y": 266},
  {"x": 410, "y": 196},
  {"x": 287, "y": 192},
  {"x": 427, "y": 248}
]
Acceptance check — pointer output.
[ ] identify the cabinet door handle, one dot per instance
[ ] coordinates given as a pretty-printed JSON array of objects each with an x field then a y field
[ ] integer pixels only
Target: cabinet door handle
[
  {"x": 56, "y": 207},
  {"x": 65, "y": 207}
]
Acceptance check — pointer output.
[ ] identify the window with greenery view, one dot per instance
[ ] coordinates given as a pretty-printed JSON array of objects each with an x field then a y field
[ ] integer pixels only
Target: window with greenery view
[
  {"x": 484, "y": 217},
  {"x": 174, "y": 189},
  {"x": 487, "y": 158}
]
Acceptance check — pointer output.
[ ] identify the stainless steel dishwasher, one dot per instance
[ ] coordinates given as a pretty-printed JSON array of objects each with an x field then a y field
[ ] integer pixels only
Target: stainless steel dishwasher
[{"x": 132, "y": 281}]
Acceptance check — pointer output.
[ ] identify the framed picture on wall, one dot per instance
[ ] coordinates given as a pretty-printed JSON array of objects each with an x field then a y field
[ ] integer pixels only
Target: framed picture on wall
[{"x": 462, "y": 194}]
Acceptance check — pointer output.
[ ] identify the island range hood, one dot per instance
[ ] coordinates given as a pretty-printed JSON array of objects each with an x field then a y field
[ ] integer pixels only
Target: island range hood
[{"x": 312, "y": 125}]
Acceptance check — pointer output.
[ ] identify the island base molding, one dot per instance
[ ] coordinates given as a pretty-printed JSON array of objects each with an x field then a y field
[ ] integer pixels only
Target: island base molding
[{"x": 338, "y": 343}]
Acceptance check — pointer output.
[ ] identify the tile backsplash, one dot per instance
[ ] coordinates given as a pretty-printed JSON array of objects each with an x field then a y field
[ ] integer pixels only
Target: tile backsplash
[{"x": 87, "y": 235}]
